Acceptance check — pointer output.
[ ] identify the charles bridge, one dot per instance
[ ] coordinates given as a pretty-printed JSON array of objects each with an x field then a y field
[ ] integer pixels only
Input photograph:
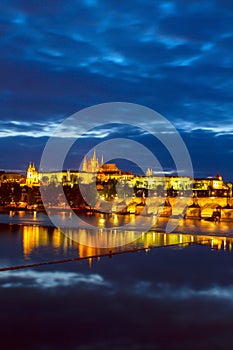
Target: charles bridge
[{"x": 198, "y": 207}]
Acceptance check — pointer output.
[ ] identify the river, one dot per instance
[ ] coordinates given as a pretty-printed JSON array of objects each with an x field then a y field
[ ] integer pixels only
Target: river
[{"x": 164, "y": 290}]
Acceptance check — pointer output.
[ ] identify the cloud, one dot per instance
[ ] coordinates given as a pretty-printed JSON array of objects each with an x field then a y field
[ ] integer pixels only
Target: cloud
[
  {"x": 46, "y": 279},
  {"x": 172, "y": 56},
  {"x": 23, "y": 128},
  {"x": 217, "y": 130},
  {"x": 167, "y": 291}
]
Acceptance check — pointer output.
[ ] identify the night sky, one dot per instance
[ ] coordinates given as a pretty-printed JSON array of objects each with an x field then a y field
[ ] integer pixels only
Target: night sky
[{"x": 176, "y": 57}]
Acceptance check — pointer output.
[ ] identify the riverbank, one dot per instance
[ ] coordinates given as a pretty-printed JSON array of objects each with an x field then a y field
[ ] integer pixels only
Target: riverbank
[{"x": 209, "y": 211}]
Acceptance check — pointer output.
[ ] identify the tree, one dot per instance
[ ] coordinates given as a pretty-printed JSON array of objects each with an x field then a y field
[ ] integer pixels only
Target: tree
[{"x": 45, "y": 180}]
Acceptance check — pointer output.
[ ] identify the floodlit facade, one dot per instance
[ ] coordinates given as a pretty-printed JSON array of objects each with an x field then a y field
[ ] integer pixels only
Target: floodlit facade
[{"x": 93, "y": 169}]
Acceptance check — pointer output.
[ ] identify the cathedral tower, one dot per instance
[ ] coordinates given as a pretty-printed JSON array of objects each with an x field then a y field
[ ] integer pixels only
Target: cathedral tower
[{"x": 32, "y": 177}]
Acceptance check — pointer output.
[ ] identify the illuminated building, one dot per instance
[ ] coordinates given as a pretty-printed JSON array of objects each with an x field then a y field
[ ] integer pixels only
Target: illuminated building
[
  {"x": 10, "y": 177},
  {"x": 32, "y": 176},
  {"x": 93, "y": 169},
  {"x": 92, "y": 165}
]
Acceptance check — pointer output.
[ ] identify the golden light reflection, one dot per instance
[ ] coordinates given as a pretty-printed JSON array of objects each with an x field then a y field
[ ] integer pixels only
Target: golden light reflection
[
  {"x": 225, "y": 243},
  {"x": 95, "y": 240},
  {"x": 31, "y": 239},
  {"x": 90, "y": 260},
  {"x": 101, "y": 222},
  {"x": 37, "y": 236},
  {"x": 115, "y": 219},
  {"x": 132, "y": 218}
]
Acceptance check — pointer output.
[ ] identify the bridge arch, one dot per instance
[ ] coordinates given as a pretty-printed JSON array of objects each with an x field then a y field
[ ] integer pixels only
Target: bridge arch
[{"x": 208, "y": 209}]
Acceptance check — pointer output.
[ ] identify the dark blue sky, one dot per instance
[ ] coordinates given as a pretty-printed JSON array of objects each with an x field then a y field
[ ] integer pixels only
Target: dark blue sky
[{"x": 175, "y": 57}]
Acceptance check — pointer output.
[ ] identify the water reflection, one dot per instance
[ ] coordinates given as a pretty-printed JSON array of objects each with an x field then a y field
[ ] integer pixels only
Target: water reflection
[
  {"x": 26, "y": 236},
  {"x": 36, "y": 237},
  {"x": 177, "y": 298},
  {"x": 115, "y": 220}
]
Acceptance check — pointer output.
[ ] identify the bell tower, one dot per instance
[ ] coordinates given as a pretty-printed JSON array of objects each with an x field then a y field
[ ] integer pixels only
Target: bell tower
[{"x": 32, "y": 177}]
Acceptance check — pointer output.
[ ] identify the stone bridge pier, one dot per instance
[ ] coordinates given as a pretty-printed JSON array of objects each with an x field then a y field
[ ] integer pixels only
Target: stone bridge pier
[{"x": 203, "y": 207}]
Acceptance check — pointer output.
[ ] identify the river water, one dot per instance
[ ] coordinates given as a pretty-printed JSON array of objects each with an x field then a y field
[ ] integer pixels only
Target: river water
[{"x": 165, "y": 290}]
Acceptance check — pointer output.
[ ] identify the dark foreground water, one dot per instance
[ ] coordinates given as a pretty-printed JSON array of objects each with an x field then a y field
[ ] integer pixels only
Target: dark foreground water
[{"x": 173, "y": 297}]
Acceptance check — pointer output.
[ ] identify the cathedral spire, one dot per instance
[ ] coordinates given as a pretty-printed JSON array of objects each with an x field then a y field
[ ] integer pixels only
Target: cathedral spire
[
  {"x": 94, "y": 162},
  {"x": 102, "y": 161},
  {"x": 84, "y": 167},
  {"x": 94, "y": 155}
]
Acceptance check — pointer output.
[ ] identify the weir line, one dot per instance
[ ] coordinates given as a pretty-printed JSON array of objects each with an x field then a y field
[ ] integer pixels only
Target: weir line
[{"x": 110, "y": 254}]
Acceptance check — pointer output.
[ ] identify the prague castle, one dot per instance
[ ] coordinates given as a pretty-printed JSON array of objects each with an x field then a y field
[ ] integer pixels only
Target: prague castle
[
  {"x": 90, "y": 167},
  {"x": 118, "y": 190},
  {"x": 93, "y": 168}
]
